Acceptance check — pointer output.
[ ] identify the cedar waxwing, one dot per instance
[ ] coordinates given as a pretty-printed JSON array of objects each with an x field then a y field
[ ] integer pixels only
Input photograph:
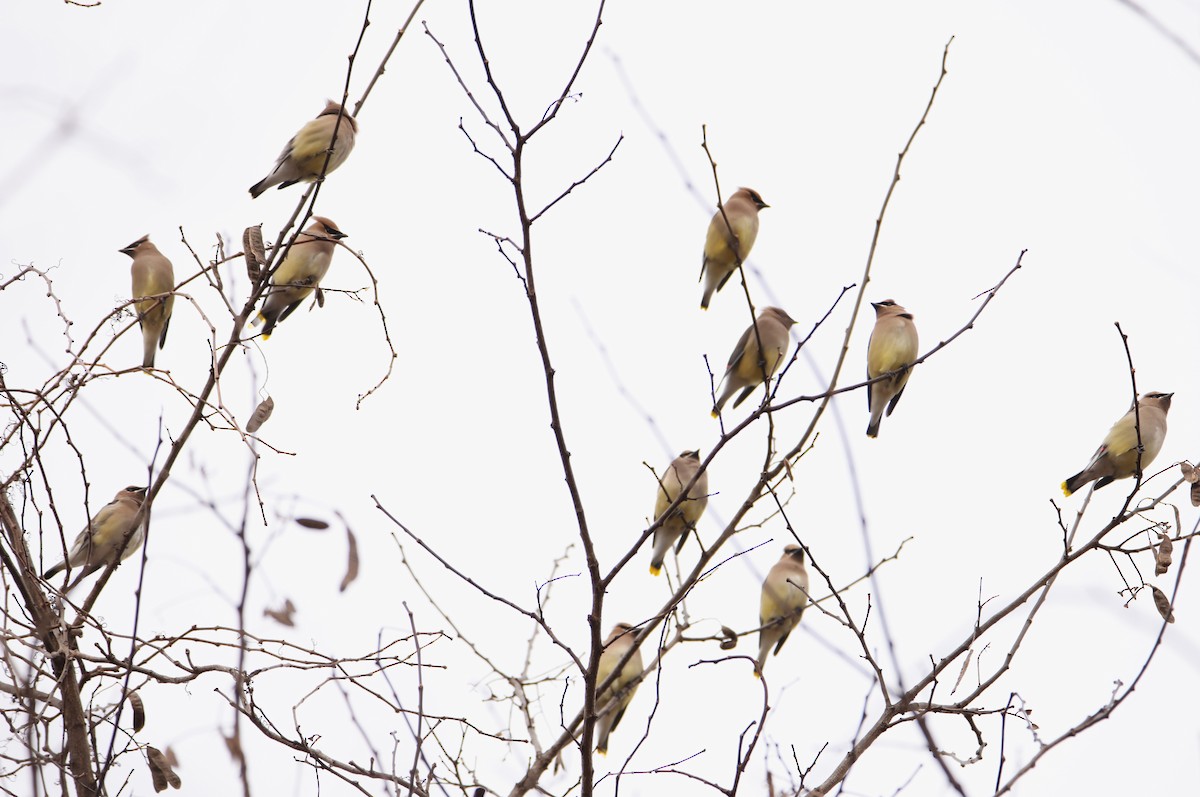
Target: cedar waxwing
[
  {"x": 1116, "y": 458},
  {"x": 152, "y": 275},
  {"x": 745, "y": 371},
  {"x": 721, "y": 249},
  {"x": 893, "y": 346},
  {"x": 684, "y": 518},
  {"x": 97, "y": 544},
  {"x": 784, "y": 597},
  {"x": 620, "y": 639},
  {"x": 299, "y": 273},
  {"x": 304, "y": 155}
]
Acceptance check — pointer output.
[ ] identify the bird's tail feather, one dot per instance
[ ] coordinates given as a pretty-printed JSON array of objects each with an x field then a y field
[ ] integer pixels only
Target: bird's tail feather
[
  {"x": 1072, "y": 484},
  {"x": 148, "y": 352},
  {"x": 745, "y": 394},
  {"x": 873, "y": 426}
]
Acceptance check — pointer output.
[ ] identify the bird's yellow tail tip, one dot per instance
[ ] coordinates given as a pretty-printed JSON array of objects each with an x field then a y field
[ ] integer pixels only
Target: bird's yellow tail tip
[
  {"x": 716, "y": 414},
  {"x": 1066, "y": 490},
  {"x": 757, "y": 674},
  {"x": 603, "y": 752},
  {"x": 655, "y": 570}
]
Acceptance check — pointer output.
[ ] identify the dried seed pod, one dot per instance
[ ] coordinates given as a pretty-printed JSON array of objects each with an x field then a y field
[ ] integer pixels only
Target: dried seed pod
[
  {"x": 730, "y": 638},
  {"x": 1190, "y": 474},
  {"x": 1162, "y": 555},
  {"x": 261, "y": 413},
  {"x": 256, "y": 256},
  {"x": 139, "y": 709},
  {"x": 962, "y": 673},
  {"x": 320, "y": 297},
  {"x": 351, "y": 560},
  {"x": 161, "y": 773},
  {"x": 1163, "y": 605},
  {"x": 312, "y": 523},
  {"x": 284, "y": 614},
  {"x": 1196, "y": 494}
]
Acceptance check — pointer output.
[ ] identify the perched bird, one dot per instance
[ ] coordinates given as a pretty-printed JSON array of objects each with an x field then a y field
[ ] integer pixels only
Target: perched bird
[
  {"x": 784, "y": 598},
  {"x": 683, "y": 518},
  {"x": 299, "y": 273},
  {"x": 304, "y": 155},
  {"x": 152, "y": 275},
  {"x": 723, "y": 248},
  {"x": 893, "y": 347},
  {"x": 1117, "y": 456},
  {"x": 96, "y": 546},
  {"x": 620, "y": 639},
  {"x": 746, "y": 367}
]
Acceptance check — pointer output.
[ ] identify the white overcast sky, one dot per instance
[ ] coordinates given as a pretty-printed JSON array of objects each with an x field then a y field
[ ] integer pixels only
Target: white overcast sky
[{"x": 1067, "y": 129}]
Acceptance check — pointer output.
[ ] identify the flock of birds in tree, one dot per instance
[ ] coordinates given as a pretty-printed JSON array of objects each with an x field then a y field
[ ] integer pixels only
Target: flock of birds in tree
[
  {"x": 323, "y": 144},
  {"x": 891, "y": 353}
]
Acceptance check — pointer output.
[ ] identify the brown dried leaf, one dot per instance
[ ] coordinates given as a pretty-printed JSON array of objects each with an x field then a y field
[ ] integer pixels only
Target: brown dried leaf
[
  {"x": 1163, "y": 605},
  {"x": 1162, "y": 556},
  {"x": 233, "y": 746},
  {"x": 320, "y": 297},
  {"x": 1190, "y": 474},
  {"x": 139, "y": 709},
  {"x": 284, "y": 614},
  {"x": 351, "y": 560},
  {"x": 730, "y": 638},
  {"x": 256, "y": 256},
  {"x": 169, "y": 755},
  {"x": 161, "y": 772},
  {"x": 261, "y": 414},
  {"x": 312, "y": 523},
  {"x": 1196, "y": 494}
]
